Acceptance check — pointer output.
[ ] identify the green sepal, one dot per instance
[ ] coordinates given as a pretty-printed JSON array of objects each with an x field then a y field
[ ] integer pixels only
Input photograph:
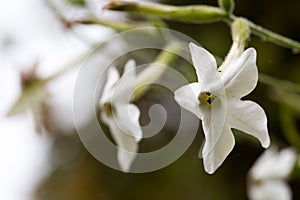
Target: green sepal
[{"x": 227, "y": 5}]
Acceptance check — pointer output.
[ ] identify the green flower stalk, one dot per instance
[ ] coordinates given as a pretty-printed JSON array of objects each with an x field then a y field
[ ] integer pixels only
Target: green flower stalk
[
  {"x": 118, "y": 26},
  {"x": 193, "y": 14},
  {"x": 201, "y": 14},
  {"x": 154, "y": 71}
]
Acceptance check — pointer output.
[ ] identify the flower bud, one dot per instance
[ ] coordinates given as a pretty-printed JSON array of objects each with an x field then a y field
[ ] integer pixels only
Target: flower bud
[
  {"x": 240, "y": 30},
  {"x": 227, "y": 5}
]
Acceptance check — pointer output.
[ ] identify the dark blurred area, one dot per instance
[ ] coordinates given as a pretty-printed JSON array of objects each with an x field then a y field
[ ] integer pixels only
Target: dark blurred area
[{"x": 76, "y": 175}]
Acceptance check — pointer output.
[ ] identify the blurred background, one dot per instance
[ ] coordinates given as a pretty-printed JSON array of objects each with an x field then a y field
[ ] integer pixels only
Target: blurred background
[{"x": 41, "y": 155}]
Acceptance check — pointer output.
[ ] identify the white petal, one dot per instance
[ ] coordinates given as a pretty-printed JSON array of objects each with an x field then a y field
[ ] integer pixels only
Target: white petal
[
  {"x": 124, "y": 87},
  {"x": 112, "y": 77},
  {"x": 213, "y": 122},
  {"x": 273, "y": 164},
  {"x": 127, "y": 118},
  {"x": 219, "y": 140},
  {"x": 219, "y": 149},
  {"x": 285, "y": 162},
  {"x": 250, "y": 118},
  {"x": 204, "y": 64},
  {"x": 241, "y": 75},
  {"x": 127, "y": 146},
  {"x": 187, "y": 97},
  {"x": 269, "y": 190},
  {"x": 263, "y": 165},
  {"x": 129, "y": 66}
]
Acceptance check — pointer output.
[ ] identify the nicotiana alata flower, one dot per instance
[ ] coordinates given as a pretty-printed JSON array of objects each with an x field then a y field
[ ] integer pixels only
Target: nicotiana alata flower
[
  {"x": 119, "y": 115},
  {"x": 216, "y": 100},
  {"x": 268, "y": 174}
]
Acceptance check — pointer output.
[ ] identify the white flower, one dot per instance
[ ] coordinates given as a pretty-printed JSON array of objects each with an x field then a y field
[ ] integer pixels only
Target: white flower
[
  {"x": 268, "y": 174},
  {"x": 216, "y": 100},
  {"x": 119, "y": 115}
]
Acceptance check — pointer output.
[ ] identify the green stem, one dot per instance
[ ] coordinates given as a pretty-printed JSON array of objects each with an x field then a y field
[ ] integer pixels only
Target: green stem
[
  {"x": 116, "y": 25},
  {"x": 270, "y": 36},
  {"x": 275, "y": 38},
  {"x": 193, "y": 14},
  {"x": 154, "y": 70},
  {"x": 199, "y": 14},
  {"x": 285, "y": 92},
  {"x": 289, "y": 126},
  {"x": 280, "y": 84},
  {"x": 291, "y": 100}
]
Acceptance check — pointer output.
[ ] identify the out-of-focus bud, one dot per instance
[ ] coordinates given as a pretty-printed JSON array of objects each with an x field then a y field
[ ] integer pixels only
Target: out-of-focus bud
[
  {"x": 240, "y": 30},
  {"x": 227, "y": 5}
]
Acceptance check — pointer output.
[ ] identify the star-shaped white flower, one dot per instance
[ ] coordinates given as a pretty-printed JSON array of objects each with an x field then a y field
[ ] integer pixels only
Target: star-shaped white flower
[
  {"x": 268, "y": 174},
  {"x": 119, "y": 115},
  {"x": 216, "y": 100}
]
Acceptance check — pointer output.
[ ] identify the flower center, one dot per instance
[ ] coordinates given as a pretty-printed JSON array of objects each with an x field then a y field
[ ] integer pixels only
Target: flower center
[
  {"x": 107, "y": 108},
  {"x": 206, "y": 97}
]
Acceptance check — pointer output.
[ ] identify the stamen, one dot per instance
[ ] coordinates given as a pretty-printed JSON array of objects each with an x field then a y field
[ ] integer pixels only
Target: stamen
[
  {"x": 108, "y": 108},
  {"x": 206, "y": 97}
]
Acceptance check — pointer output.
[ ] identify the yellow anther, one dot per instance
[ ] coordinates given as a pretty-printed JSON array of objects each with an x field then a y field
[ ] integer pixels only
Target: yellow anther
[
  {"x": 107, "y": 108},
  {"x": 206, "y": 97}
]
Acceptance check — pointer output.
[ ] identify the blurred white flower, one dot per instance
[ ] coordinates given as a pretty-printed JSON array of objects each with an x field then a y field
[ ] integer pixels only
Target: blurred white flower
[
  {"x": 119, "y": 115},
  {"x": 216, "y": 100},
  {"x": 268, "y": 174}
]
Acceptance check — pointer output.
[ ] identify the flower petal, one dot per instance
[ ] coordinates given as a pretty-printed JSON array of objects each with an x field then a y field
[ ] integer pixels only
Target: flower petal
[
  {"x": 124, "y": 87},
  {"x": 269, "y": 190},
  {"x": 286, "y": 161},
  {"x": 218, "y": 150},
  {"x": 213, "y": 121},
  {"x": 273, "y": 164},
  {"x": 187, "y": 97},
  {"x": 127, "y": 118},
  {"x": 250, "y": 118},
  {"x": 129, "y": 66},
  {"x": 204, "y": 64},
  {"x": 241, "y": 75},
  {"x": 112, "y": 77},
  {"x": 262, "y": 166},
  {"x": 219, "y": 139},
  {"x": 127, "y": 145}
]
